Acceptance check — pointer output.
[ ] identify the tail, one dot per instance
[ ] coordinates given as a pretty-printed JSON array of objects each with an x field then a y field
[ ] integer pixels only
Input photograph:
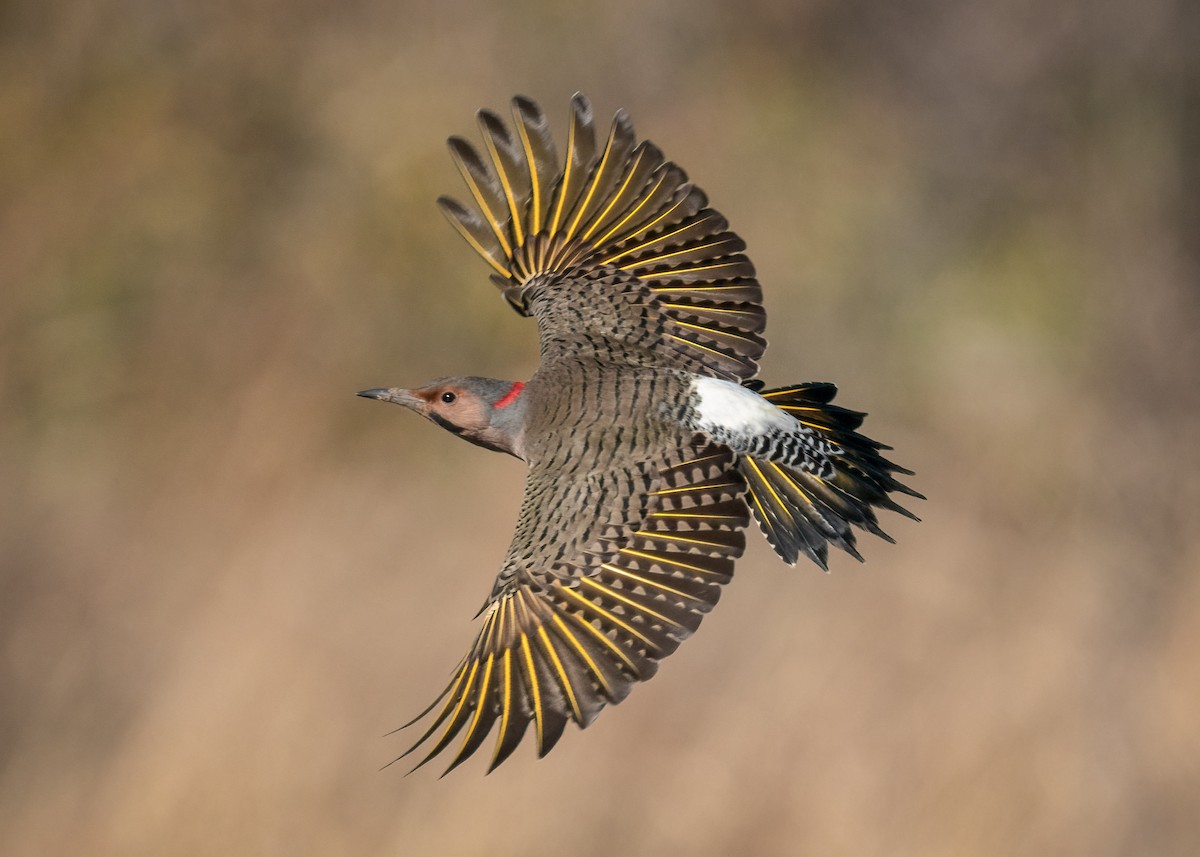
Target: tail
[{"x": 801, "y": 512}]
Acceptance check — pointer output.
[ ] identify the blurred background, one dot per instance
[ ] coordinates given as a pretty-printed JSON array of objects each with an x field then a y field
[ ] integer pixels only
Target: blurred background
[{"x": 223, "y": 577}]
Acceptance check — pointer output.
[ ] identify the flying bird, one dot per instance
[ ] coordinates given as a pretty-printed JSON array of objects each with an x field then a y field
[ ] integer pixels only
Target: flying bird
[{"x": 649, "y": 443}]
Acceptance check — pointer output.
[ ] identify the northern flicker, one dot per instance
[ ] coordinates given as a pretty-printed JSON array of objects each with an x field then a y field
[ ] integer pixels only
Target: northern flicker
[{"x": 648, "y": 441}]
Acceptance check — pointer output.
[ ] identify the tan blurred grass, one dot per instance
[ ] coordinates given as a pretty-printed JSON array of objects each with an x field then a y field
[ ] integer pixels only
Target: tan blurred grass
[{"x": 223, "y": 577}]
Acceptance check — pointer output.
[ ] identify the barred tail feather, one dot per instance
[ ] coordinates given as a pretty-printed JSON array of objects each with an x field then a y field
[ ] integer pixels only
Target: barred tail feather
[{"x": 801, "y": 513}]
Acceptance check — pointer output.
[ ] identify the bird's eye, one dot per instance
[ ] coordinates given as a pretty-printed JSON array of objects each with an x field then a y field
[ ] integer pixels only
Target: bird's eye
[{"x": 448, "y": 397}]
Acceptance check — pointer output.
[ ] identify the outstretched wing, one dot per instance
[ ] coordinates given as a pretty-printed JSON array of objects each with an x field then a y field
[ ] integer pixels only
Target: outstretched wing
[
  {"x": 617, "y": 226},
  {"x": 611, "y": 598}
]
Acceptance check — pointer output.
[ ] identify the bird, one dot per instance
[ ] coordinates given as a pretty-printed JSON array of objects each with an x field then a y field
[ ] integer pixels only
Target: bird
[{"x": 650, "y": 442}]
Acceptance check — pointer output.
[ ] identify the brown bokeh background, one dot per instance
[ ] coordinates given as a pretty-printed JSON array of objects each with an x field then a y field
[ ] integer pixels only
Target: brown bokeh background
[{"x": 224, "y": 577}]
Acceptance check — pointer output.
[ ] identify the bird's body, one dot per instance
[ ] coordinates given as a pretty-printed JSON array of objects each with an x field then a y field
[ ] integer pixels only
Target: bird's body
[{"x": 649, "y": 444}]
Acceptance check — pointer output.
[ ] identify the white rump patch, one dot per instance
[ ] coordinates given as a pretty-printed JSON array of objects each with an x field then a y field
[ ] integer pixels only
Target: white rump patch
[{"x": 735, "y": 409}]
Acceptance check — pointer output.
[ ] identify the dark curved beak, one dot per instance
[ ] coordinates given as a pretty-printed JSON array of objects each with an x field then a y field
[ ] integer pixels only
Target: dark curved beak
[{"x": 396, "y": 395}]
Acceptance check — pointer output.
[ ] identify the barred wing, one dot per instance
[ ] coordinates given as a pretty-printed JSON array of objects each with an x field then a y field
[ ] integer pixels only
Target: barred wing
[
  {"x": 559, "y": 642},
  {"x": 624, "y": 212}
]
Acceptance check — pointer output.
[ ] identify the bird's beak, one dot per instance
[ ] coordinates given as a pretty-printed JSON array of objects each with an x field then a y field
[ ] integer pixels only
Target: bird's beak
[{"x": 396, "y": 395}]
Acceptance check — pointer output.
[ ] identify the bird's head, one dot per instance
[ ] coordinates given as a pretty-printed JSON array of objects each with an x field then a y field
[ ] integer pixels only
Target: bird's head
[{"x": 485, "y": 411}]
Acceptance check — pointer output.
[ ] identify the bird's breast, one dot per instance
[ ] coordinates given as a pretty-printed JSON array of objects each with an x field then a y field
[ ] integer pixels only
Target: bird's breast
[{"x": 592, "y": 413}]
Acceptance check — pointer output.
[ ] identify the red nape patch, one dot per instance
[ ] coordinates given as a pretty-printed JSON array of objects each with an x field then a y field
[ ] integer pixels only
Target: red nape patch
[{"x": 514, "y": 392}]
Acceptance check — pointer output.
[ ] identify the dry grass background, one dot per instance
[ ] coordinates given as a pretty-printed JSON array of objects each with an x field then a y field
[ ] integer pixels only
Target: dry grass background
[{"x": 224, "y": 578}]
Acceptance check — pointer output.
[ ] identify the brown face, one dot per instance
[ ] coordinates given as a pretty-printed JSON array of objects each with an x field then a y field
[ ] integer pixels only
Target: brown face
[
  {"x": 461, "y": 410},
  {"x": 452, "y": 407}
]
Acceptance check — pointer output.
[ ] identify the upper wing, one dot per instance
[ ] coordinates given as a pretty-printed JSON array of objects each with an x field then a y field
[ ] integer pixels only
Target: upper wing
[
  {"x": 623, "y": 221},
  {"x": 578, "y": 616}
]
